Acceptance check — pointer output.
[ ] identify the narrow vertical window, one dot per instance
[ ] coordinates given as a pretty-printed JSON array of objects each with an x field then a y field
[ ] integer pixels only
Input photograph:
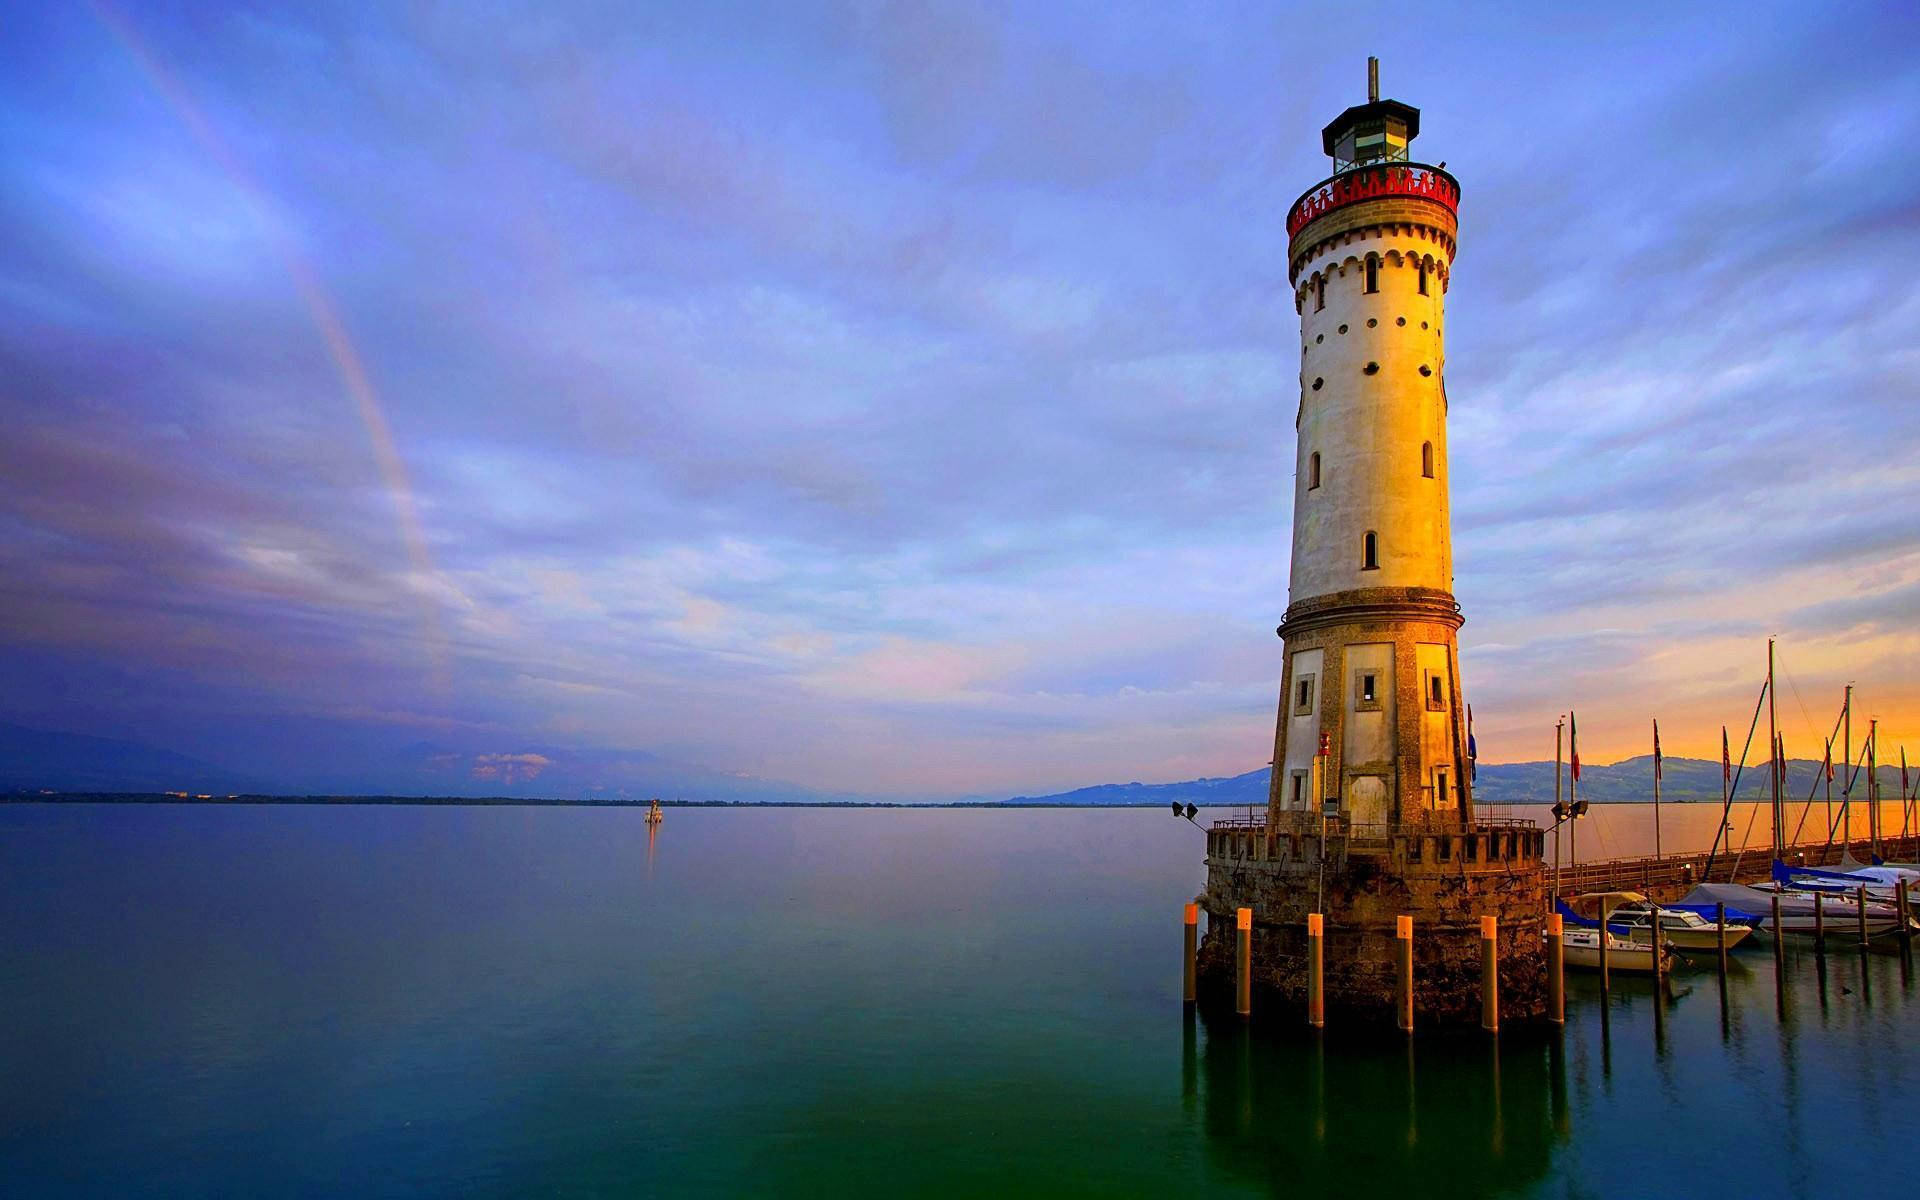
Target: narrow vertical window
[
  {"x": 1313, "y": 471},
  {"x": 1319, "y": 292},
  {"x": 1426, "y": 459},
  {"x": 1423, "y": 279},
  {"x": 1366, "y": 688},
  {"x": 1435, "y": 697},
  {"x": 1373, "y": 273},
  {"x": 1298, "y": 791},
  {"x": 1370, "y": 552}
]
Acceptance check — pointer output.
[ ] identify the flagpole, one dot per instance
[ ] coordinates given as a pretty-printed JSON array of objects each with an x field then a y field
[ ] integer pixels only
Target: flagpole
[{"x": 1558, "y": 728}]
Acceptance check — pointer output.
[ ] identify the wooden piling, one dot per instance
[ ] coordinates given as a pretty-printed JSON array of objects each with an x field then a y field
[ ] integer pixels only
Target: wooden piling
[
  {"x": 1819, "y": 922},
  {"x": 1556, "y": 970},
  {"x": 1489, "y": 974},
  {"x": 1860, "y": 898},
  {"x": 1243, "y": 961},
  {"x": 1720, "y": 935},
  {"x": 1189, "y": 974},
  {"x": 1316, "y": 977},
  {"x": 1900, "y": 897},
  {"x": 1403, "y": 933}
]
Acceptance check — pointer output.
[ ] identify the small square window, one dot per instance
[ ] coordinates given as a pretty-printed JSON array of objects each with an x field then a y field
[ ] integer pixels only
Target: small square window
[
  {"x": 1303, "y": 696},
  {"x": 1436, "y": 693},
  {"x": 1367, "y": 686}
]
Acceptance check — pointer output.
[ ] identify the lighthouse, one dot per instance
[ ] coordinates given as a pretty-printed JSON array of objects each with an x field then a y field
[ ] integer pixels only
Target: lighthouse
[
  {"x": 1371, "y": 724},
  {"x": 1370, "y": 868}
]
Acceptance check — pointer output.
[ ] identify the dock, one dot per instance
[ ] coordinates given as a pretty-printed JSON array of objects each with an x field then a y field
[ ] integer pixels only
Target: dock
[{"x": 1667, "y": 877}]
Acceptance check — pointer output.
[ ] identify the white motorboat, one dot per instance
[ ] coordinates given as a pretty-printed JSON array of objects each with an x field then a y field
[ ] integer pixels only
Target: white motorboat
[
  {"x": 1682, "y": 929},
  {"x": 1581, "y": 946}
]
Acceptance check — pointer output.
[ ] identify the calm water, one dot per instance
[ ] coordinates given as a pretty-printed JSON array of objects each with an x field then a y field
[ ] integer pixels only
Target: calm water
[{"x": 383, "y": 1001}]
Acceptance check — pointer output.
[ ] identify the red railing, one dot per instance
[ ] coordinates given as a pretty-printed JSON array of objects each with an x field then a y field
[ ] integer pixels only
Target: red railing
[{"x": 1369, "y": 182}]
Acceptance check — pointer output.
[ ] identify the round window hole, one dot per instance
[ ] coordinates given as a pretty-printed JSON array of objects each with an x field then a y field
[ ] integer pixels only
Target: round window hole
[
  {"x": 1399, "y": 320},
  {"x": 1343, "y": 329},
  {"x": 1373, "y": 368},
  {"x": 1423, "y": 324},
  {"x": 1317, "y": 383},
  {"x": 1425, "y": 369},
  {"x": 1372, "y": 321},
  {"x": 1318, "y": 338}
]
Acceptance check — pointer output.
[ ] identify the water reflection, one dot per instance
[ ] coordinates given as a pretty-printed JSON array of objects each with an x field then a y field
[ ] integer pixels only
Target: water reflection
[{"x": 1446, "y": 1114}]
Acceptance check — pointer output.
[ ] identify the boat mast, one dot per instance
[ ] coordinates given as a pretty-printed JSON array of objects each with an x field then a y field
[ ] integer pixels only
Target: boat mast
[
  {"x": 1773, "y": 750},
  {"x": 1846, "y": 773},
  {"x": 1656, "y": 788},
  {"x": 1873, "y": 789}
]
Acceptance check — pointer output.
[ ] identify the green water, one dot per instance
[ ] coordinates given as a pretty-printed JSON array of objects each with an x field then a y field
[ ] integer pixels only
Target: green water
[{"x": 392, "y": 1001}]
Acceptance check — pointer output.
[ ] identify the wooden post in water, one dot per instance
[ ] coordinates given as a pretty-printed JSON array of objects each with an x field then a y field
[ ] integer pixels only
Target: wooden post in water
[
  {"x": 1490, "y": 974},
  {"x": 1819, "y": 920},
  {"x": 1189, "y": 976},
  {"x": 1900, "y": 896},
  {"x": 1403, "y": 934},
  {"x": 1316, "y": 979},
  {"x": 1860, "y": 898},
  {"x": 1556, "y": 970},
  {"x": 1243, "y": 961},
  {"x": 1720, "y": 935}
]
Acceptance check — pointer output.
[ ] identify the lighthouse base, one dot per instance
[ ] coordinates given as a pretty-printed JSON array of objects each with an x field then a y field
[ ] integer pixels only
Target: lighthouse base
[{"x": 1445, "y": 879}]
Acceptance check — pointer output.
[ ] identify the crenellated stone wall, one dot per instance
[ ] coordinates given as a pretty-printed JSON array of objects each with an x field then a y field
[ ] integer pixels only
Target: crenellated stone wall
[{"x": 1446, "y": 880}]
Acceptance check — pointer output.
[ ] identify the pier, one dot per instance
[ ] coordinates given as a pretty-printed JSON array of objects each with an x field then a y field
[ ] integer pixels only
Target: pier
[{"x": 1668, "y": 877}]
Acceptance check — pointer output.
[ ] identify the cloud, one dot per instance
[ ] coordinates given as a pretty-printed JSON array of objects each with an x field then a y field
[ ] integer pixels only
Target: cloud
[
  {"x": 898, "y": 399},
  {"x": 509, "y": 768}
]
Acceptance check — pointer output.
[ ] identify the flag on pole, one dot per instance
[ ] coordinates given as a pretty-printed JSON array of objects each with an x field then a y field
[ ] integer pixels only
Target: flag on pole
[
  {"x": 1656, "y": 748},
  {"x": 1726, "y": 757},
  {"x": 1829, "y": 762},
  {"x": 1903, "y": 770},
  {"x": 1473, "y": 750},
  {"x": 1573, "y": 742}
]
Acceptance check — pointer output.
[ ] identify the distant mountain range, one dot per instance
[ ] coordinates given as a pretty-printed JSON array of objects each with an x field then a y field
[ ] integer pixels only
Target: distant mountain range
[
  {"x": 1630, "y": 781},
  {"x": 36, "y": 760}
]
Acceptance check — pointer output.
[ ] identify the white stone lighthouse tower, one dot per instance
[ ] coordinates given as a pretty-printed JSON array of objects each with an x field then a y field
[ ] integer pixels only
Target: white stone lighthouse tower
[{"x": 1371, "y": 682}]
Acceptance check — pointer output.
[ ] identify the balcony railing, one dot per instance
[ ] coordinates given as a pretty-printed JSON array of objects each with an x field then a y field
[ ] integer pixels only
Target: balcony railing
[{"x": 1370, "y": 182}]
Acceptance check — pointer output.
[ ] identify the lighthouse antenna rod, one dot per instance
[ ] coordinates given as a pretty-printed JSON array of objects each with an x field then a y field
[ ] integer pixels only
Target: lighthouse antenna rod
[{"x": 1373, "y": 79}]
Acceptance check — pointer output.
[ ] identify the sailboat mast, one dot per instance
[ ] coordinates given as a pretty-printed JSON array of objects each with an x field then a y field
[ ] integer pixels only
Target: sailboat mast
[
  {"x": 1873, "y": 789},
  {"x": 1846, "y": 773},
  {"x": 1656, "y": 789},
  {"x": 1773, "y": 750}
]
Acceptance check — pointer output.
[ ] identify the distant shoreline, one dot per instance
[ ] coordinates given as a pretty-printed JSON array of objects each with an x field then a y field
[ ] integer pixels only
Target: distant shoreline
[
  {"x": 528, "y": 802},
  {"x": 552, "y": 802}
]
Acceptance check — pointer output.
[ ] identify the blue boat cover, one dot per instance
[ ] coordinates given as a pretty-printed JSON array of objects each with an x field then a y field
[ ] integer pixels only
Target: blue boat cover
[
  {"x": 1784, "y": 874},
  {"x": 1734, "y": 916}
]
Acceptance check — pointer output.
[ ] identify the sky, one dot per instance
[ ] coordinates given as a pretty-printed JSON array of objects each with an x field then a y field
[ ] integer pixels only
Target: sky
[{"x": 895, "y": 400}]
